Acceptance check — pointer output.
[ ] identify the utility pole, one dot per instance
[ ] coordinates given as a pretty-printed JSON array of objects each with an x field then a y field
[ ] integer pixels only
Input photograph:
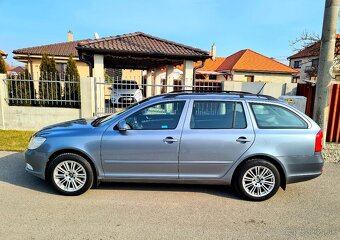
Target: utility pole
[{"x": 328, "y": 38}]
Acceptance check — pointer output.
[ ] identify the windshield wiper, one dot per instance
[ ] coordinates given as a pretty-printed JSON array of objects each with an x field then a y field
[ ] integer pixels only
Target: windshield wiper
[{"x": 97, "y": 121}]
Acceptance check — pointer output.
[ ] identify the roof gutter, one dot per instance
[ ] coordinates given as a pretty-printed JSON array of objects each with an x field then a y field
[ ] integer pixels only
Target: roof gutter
[
  {"x": 194, "y": 71},
  {"x": 88, "y": 62}
]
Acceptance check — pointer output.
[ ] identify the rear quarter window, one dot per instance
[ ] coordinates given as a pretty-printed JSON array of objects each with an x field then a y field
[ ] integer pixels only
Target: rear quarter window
[{"x": 269, "y": 116}]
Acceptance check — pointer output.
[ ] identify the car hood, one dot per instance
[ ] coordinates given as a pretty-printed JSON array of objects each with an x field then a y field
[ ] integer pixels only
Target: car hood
[{"x": 67, "y": 126}]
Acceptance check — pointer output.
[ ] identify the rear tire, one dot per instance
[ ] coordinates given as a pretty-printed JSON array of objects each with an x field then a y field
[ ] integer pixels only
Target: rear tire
[
  {"x": 257, "y": 180},
  {"x": 70, "y": 174}
]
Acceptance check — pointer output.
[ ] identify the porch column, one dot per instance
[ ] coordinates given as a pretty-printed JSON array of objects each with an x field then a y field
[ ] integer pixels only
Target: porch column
[
  {"x": 158, "y": 81},
  {"x": 188, "y": 72},
  {"x": 170, "y": 77},
  {"x": 148, "y": 83},
  {"x": 98, "y": 74}
]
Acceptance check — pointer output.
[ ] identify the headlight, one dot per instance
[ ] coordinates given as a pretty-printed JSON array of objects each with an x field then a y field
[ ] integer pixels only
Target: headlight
[{"x": 36, "y": 142}]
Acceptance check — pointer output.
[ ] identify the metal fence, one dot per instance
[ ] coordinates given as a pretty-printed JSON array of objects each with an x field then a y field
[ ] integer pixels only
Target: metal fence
[
  {"x": 52, "y": 91},
  {"x": 120, "y": 94}
]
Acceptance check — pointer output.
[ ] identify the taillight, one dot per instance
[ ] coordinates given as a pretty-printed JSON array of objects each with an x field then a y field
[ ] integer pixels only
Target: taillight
[{"x": 318, "y": 141}]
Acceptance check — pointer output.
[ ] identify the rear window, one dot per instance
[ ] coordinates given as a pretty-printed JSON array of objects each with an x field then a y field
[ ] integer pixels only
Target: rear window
[
  {"x": 217, "y": 115},
  {"x": 272, "y": 116}
]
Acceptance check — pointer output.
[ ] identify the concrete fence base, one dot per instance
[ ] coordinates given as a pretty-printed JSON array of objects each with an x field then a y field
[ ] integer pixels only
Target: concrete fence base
[
  {"x": 35, "y": 118},
  {"x": 272, "y": 89}
]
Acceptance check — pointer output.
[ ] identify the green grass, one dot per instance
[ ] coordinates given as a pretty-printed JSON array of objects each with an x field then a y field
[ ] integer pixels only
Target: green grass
[{"x": 12, "y": 140}]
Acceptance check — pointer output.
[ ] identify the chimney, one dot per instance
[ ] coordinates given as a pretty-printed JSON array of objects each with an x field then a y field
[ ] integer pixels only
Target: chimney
[
  {"x": 213, "y": 52},
  {"x": 70, "y": 36}
]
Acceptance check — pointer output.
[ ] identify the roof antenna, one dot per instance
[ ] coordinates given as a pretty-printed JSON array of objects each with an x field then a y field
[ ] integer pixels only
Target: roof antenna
[
  {"x": 96, "y": 35},
  {"x": 261, "y": 88}
]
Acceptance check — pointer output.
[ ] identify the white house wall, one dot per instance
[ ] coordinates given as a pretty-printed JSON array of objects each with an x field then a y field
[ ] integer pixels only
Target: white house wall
[{"x": 263, "y": 77}]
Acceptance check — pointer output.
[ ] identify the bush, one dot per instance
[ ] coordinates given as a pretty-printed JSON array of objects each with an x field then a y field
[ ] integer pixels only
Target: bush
[
  {"x": 72, "y": 90},
  {"x": 49, "y": 90}
]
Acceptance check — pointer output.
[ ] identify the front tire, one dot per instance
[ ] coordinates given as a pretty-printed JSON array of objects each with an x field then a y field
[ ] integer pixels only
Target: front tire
[
  {"x": 70, "y": 174},
  {"x": 257, "y": 180}
]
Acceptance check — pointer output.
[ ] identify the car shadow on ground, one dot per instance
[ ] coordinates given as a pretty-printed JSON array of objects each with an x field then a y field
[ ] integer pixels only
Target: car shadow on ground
[
  {"x": 12, "y": 171},
  {"x": 217, "y": 190}
]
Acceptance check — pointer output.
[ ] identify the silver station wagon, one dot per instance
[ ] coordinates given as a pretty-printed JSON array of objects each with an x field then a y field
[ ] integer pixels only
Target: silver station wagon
[{"x": 254, "y": 142}]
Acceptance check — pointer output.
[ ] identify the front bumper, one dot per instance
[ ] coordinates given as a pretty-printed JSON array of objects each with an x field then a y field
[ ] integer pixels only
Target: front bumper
[
  {"x": 303, "y": 168},
  {"x": 36, "y": 162}
]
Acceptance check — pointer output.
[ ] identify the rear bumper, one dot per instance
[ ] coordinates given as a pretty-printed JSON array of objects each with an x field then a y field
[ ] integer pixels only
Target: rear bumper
[{"x": 303, "y": 168}]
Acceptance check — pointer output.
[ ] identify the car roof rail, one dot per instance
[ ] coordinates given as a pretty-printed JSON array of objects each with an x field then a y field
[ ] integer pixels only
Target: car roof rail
[{"x": 242, "y": 94}]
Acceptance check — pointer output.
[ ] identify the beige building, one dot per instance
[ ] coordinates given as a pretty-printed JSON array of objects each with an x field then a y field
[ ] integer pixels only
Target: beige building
[{"x": 61, "y": 52}]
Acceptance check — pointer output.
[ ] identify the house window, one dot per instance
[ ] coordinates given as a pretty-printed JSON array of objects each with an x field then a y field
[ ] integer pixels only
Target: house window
[
  {"x": 315, "y": 62},
  {"x": 250, "y": 78},
  {"x": 297, "y": 64},
  {"x": 212, "y": 77},
  {"x": 199, "y": 76},
  {"x": 295, "y": 79}
]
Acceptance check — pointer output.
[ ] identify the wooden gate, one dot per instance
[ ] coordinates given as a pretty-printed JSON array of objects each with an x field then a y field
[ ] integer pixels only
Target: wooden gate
[
  {"x": 307, "y": 90},
  {"x": 333, "y": 126}
]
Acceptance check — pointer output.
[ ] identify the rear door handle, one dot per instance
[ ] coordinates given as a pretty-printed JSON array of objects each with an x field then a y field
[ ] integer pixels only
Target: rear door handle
[
  {"x": 242, "y": 140},
  {"x": 169, "y": 140}
]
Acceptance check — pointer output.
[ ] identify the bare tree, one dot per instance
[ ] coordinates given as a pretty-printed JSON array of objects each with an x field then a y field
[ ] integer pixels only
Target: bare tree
[{"x": 305, "y": 40}]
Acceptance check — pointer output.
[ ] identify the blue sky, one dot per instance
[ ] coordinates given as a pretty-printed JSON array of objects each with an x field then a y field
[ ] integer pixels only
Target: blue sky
[{"x": 265, "y": 26}]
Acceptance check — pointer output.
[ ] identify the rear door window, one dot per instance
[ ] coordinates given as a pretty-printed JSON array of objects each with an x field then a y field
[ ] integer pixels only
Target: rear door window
[
  {"x": 217, "y": 115},
  {"x": 274, "y": 116}
]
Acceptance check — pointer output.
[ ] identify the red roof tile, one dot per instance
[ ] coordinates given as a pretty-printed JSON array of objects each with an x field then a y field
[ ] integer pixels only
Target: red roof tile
[
  {"x": 141, "y": 43},
  {"x": 209, "y": 64},
  {"x": 64, "y": 49},
  {"x": 248, "y": 60}
]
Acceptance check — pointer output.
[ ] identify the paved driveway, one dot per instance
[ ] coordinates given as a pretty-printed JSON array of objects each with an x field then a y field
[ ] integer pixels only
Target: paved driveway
[{"x": 29, "y": 209}]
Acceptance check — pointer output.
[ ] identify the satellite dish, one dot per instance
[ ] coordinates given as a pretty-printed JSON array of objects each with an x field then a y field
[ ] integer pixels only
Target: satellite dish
[{"x": 96, "y": 35}]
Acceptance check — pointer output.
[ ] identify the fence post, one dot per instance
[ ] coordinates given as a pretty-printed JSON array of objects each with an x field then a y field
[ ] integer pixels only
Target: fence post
[
  {"x": 149, "y": 83},
  {"x": 87, "y": 97},
  {"x": 170, "y": 78},
  {"x": 188, "y": 72},
  {"x": 3, "y": 103},
  {"x": 158, "y": 81}
]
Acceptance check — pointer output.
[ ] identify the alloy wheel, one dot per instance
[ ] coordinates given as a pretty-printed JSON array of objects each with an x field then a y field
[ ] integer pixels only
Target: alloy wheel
[
  {"x": 69, "y": 176},
  {"x": 258, "y": 181}
]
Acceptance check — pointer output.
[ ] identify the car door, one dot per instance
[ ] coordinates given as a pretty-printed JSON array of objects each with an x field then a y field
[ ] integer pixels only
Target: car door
[
  {"x": 215, "y": 135},
  {"x": 150, "y": 148}
]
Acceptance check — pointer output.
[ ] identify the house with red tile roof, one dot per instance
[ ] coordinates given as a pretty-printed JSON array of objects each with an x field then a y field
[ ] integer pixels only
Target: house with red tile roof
[
  {"x": 249, "y": 66},
  {"x": 306, "y": 61},
  {"x": 149, "y": 50},
  {"x": 31, "y": 56},
  {"x": 244, "y": 66}
]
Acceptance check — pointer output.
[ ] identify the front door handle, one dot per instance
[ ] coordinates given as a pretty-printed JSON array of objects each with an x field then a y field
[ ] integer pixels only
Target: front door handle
[
  {"x": 242, "y": 140},
  {"x": 169, "y": 140}
]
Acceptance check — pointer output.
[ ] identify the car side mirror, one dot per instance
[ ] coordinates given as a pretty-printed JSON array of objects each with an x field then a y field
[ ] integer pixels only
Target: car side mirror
[{"x": 122, "y": 125}]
